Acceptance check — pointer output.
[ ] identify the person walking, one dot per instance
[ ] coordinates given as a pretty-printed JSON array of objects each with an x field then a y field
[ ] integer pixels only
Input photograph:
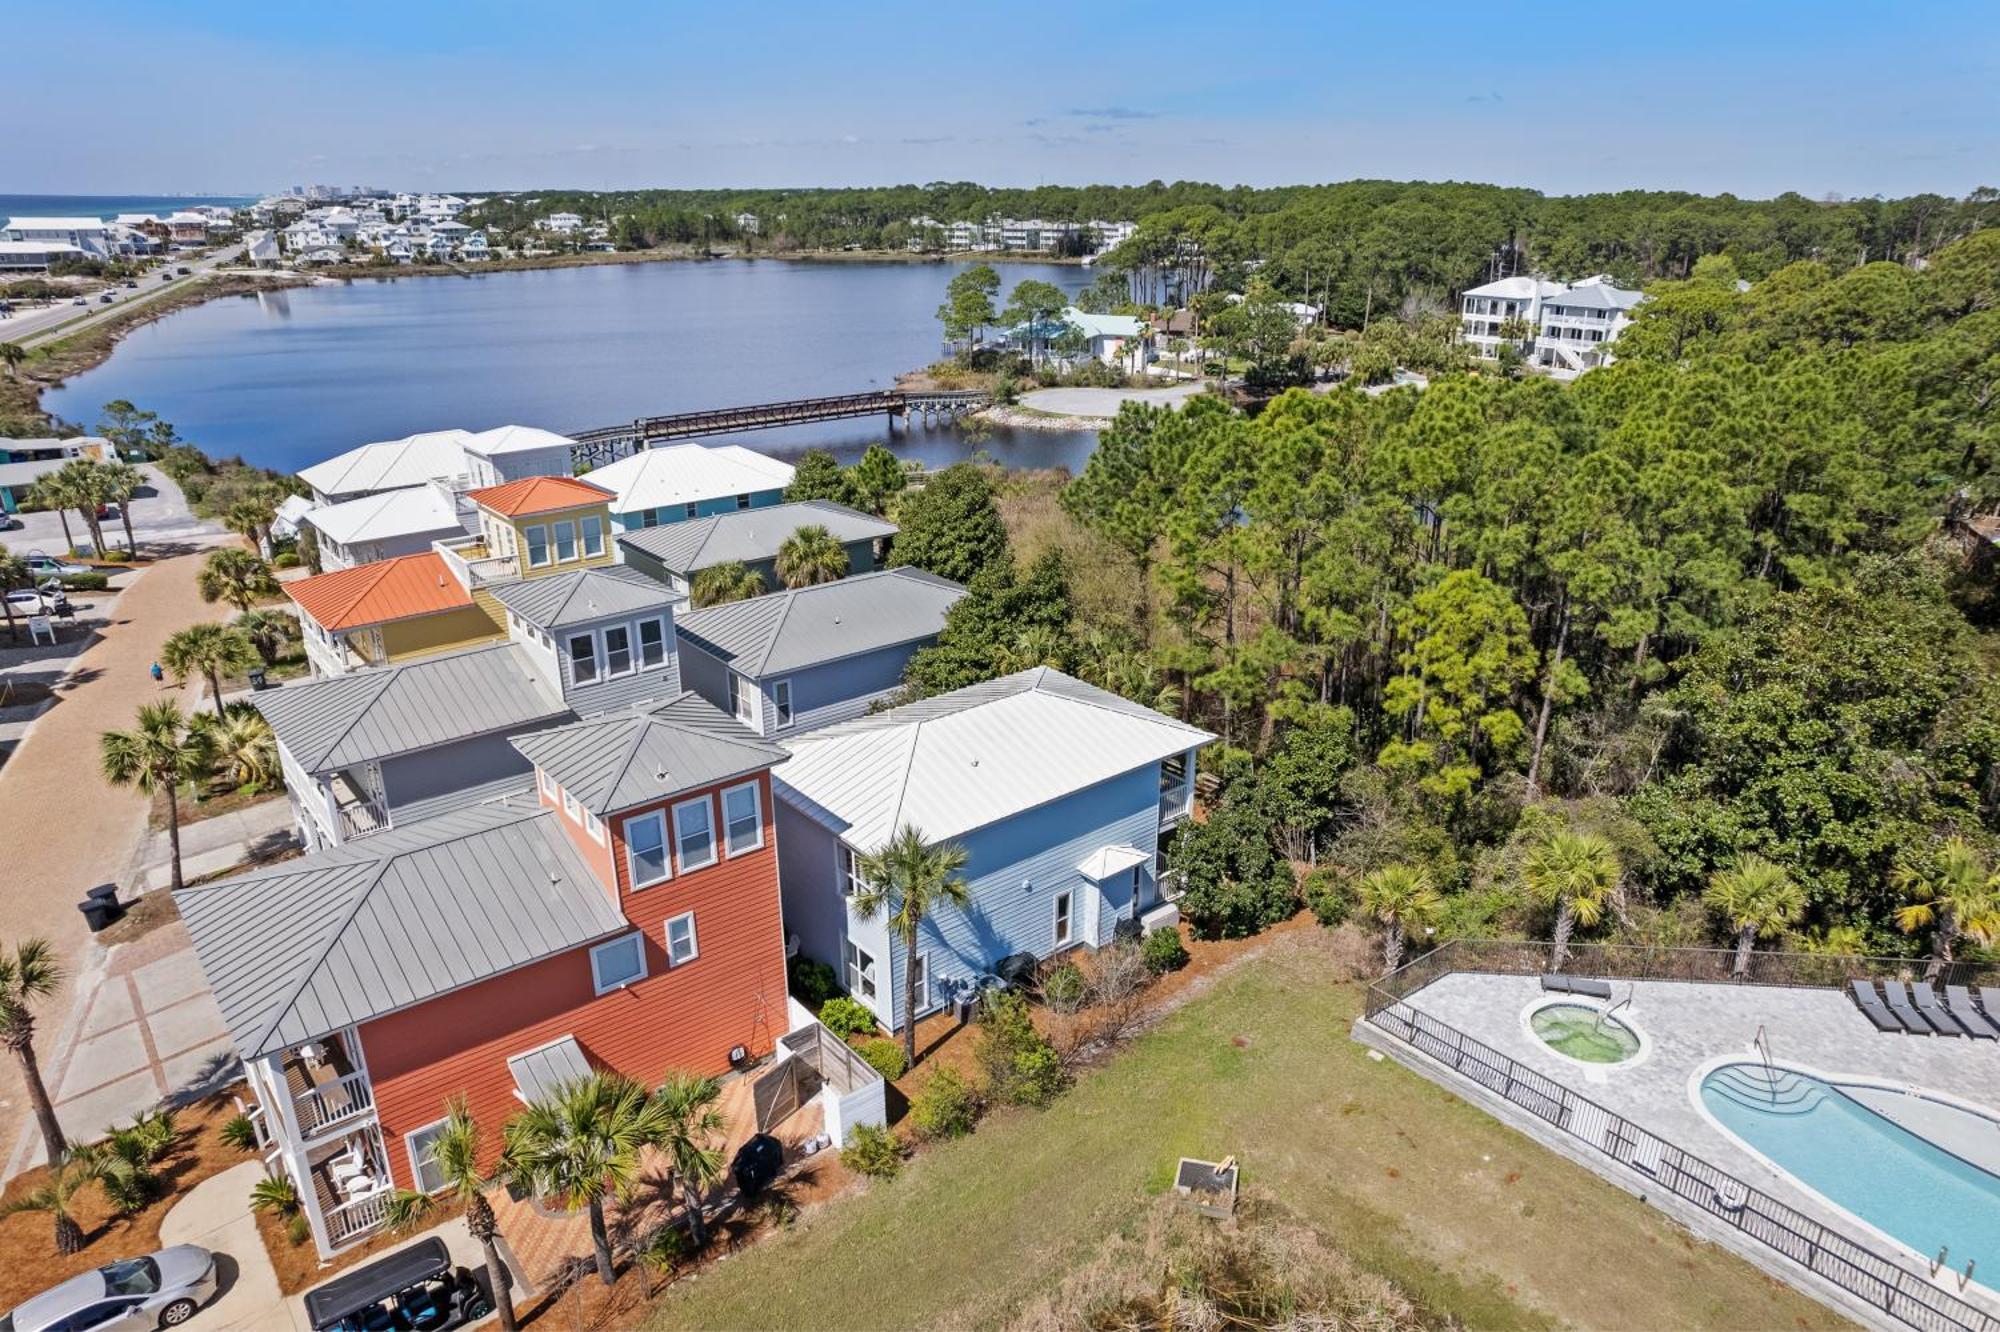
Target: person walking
[{"x": 159, "y": 676}]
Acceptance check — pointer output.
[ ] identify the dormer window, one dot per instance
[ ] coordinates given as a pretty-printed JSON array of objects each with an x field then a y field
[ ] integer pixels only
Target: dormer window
[
  {"x": 617, "y": 650},
  {"x": 583, "y": 658},
  {"x": 593, "y": 535},
  {"x": 652, "y": 642}
]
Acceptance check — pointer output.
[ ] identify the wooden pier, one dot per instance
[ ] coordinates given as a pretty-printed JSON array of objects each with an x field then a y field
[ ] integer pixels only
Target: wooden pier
[{"x": 609, "y": 443}]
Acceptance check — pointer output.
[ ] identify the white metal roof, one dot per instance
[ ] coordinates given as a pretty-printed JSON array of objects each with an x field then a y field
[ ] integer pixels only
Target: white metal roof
[
  {"x": 1106, "y": 861},
  {"x": 515, "y": 439},
  {"x": 1103, "y": 325},
  {"x": 56, "y": 224},
  {"x": 539, "y": 1071},
  {"x": 1517, "y": 288},
  {"x": 390, "y": 464},
  {"x": 973, "y": 757},
  {"x": 391, "y": 513},
  {"x": 688, "y": 474}
]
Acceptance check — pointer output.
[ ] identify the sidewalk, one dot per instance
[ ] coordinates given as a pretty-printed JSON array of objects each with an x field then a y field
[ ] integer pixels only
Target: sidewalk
[{"x": 212, "y": 844}]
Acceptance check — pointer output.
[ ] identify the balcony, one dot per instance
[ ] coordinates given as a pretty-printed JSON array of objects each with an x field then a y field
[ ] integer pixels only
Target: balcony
[
  {"x": 359, "y": 813},
  {"x": 473, "y": 566},
  {"x": 351, "y": 1187},
  {"x": 326, "y": 1089}
]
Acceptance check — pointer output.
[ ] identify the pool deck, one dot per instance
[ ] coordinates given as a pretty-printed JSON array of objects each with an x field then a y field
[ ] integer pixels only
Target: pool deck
[{"x": 1688, "y": 1028}]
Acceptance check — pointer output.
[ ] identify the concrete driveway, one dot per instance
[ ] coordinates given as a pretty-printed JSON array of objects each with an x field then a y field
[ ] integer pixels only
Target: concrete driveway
[{"x": 1103, "y": 403}]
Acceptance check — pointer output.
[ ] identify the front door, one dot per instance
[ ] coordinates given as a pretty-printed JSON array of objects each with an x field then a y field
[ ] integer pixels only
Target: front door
[{"x": 1086, "y": 905}]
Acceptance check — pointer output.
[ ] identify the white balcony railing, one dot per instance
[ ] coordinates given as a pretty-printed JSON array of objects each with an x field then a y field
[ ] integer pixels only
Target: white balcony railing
[
  {"x": 1175, "y": 805},
  {"x": 472, "y": 566},
  {"x": 359, "y": 818},
  {"x": 333, "y": 1103},
  {"x": 361, "y": 1217}
]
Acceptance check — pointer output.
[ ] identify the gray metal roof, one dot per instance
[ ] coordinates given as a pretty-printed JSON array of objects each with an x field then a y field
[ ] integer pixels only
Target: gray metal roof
[
  {"x": 1594, "y": 296},
  {"x": 583, "y": 595},
  {"x": 806, "y": 626},
  {"x": 750, "y": 535},
  {"x": 543, "y": 1069},
  {"x": 309, "y": 946},
  {"x": 371, "y": 714},
  {"x": 644, "y": 753},
  {"x": 27, "y": 473}
]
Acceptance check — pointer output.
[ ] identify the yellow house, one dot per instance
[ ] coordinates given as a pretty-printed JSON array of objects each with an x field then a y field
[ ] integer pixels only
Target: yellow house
[
  {"x": 545, "y": 524},
  {"x": 388, "y": 611}
]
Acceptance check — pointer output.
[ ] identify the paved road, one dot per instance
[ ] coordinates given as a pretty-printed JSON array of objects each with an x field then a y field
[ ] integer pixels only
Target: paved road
[
  {"x": 31, "y": 328},
  {"x": 160, "y": 515}
]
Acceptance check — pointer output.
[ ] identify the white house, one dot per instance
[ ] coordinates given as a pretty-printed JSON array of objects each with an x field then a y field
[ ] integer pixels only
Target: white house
[
  {"x": 89, "y": 234},
  {"x": 385, "y": 525},
  {"x": 563, "y": 224},
  {"x": 513, "y": 453},
  {"x": 1578, "y": 325},
  {"x": 389, "y": 465},
  {"x": 1484, "y": 310},
  {"x": 1118, "y": 340}
]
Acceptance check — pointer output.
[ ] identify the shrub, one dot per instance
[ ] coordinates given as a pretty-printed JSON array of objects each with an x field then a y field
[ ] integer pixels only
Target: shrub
[
  {"x": 286, "y": 559},
  {"x": 885, "y": 1057},
  {"x": 873, "y": 1151},
  {"x": 277, "y": 1195},
  {"x": 846, "y": 1017},
  {"x": 1237, "y": 908},
  {"x": 117, "y": 557},
  {"x": 297, "y": 1229},
  {"x": 86, "y": 582},
  {"x": 812, "y": 981},
  {"x": 1329, "y": 894},
  {"x": 1063, "y": 989},
  {"x": 1021, "y": 1067},
  {"x": 945, "y": 1106},
  {"x": 1164, "y": 951},
  {"x": 237, "y": 1131}
]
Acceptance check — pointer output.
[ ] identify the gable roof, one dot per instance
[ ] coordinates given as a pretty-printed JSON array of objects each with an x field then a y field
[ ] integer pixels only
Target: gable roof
[
  {"x": 398, "y": 589},
  {"x": 1521, "y": 288},
  {"x": 384, "y": 514},
  {"x": 311, "y": 945},
  {"x": 645, "y": 753},
  {"x": 513, "y": 438},
  {"x": 688, "y": 474},
  {"x": 538, "y": 494},
  {"x": 750, "y": 535},
  {"x": 1595, "y": 295},
  {"x": 806, "y": 626},
  {"x": 372, "y": 714},
  {"x": 581, "y": 595},
  {"x": 973, "y": 757},
  {"x": 390, "y": 464}
]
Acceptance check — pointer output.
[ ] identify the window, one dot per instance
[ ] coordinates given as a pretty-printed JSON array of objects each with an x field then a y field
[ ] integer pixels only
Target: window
[
  {"x": 650, "y": 518},
  {"x": 594, "y": 826},
  {"x": 548, "y": 783},
  {"x": 565, "y": 540},
  {"x": 781, "y": 694},
  {"x": 646, "y": 848},
  {"x": 921, "y": 987},
  {"x": 693, "y": 511},
  {"x": 860, "y": 971},
  {"x": 593, "y": 534},
  {"x": 617, "y": 650},
  {"x": 538, "y": 545},
  {"x": 1062, "y": 919},
  {"x": 742, "y": 819},
  {"x": 681, "y": 946},
  {"x": 742, "y": 501},
  {"x": 422, "y": 1145},
  {"x": 847, "y": 870},
  {"x": 652, "y": 642},
  {"x": 571, "y": 808},
  {"x": 742, "y": 700},
  {"x": 694, "y": 834},
  {"x": 583, "y": 658},
  {"x": 617, "y": 963}
]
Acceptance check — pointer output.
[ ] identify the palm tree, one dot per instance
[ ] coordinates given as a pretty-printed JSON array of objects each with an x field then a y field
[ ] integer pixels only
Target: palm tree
[
  {"x": 692, "y": 1124},
  {"x": 720, "y": 583},
  {"x": 1401, "y": 898},
  {"x": 268, "y": 631},
  {"x": 1577, "y": 874},
  {"x": 86, "y": 490},
  {"x": 77, "y": 1170},
  {"x": 51, "y": 494},
  {"x": 13, "y": 574},
  {"x": 241, "y": 744},
  {"x": 811, "y": 555},
  {"x": 581, "y": 1141},
  {"x": 210, "y": 650},
  {"x": 239, "y": 577},
  {"x": 13, "y": 353},
  {"x": 162, "y": 751},
  {"x": 456, "y": 1151},
  {"x": 1955, "y": 894},
  {"x": 1756, "y": 897},
  {"x": 29, "y": 975},
  {"x": 121, "y": 482},
  {"x": 251, "y": 517},
  {"x": 908, "y": 880}
]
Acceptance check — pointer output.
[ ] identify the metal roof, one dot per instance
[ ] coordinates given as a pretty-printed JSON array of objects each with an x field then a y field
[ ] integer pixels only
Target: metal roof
[
  {"x": 966, "y": 759},
  {"x": 32, "y": 470},
  {"x": 390, "y": 464},
  {"x": 644, "y": 753},
  {"x": 1106, "y": 861},
  {"x": 397, "y": 589},
  {"x": 312, "y": 945},
  {"x": 808, "y": 626},
  {"x": 749, "y": 535},
  {"x": 347, "y": 719},
  {"x": 687, "y": 474},
  {"x": 539, "y": 494},
  {"x": 582, "y": 595},
  {"x": 515, "y": 439},
  {"x": 1595, "y": 296},
  {"x": 384, "y": 514},
  {"x": 541, "y": 1070}
]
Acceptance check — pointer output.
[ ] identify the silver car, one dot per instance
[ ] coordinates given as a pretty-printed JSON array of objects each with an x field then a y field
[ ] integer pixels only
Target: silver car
[{"x": 160, "y": 1290}]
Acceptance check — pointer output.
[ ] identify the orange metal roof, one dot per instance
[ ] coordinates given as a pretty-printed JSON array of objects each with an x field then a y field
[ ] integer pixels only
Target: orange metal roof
[
  {"x": 539, "y": 494},
  {"x": 397, "y": 589}
]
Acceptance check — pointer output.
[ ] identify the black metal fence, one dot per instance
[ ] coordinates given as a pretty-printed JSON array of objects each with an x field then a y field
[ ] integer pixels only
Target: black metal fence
[{"x": 1879, "y": 1281}]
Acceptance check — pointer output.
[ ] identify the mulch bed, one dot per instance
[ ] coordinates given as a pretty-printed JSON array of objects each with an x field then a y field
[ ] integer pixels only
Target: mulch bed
[
  {"x": 222, "y": 800},
  {"x": 29, "y": 1263},
  {"x": 298, "y": 1265}
]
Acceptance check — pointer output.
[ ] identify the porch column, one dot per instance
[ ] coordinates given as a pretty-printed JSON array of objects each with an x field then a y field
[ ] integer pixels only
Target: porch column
[
  {"x": 294, "y": 1151},
  {"x": 331, "y": 804}
]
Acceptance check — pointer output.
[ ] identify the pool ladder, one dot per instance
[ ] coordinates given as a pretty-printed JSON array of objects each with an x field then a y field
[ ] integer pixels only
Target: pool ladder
[{"x": 1938, "y": 1265}]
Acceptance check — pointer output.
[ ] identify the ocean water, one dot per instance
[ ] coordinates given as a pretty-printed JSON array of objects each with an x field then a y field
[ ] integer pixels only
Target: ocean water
[{"x": 108, "y": 206}]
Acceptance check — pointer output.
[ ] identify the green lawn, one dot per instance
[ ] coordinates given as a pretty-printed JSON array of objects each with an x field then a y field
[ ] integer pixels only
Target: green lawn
[{"x": 1471, "y": 1220}]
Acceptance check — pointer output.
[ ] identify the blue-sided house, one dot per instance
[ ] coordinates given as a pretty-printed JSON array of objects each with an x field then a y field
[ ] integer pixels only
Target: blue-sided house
[
  {"x": 655, "y": 487},
  {"x": 1059, "y": 792},
  {"x": 791, "y": 661}
]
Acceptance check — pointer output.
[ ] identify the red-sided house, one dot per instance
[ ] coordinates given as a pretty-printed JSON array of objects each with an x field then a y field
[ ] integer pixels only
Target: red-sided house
[{"x": 626, "y": 919}]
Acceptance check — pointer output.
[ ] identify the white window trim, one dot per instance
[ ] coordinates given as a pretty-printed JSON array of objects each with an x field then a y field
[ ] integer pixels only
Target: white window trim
[
  {"x": 757, "y": 803},
  {"x": 548, "y": 548},
  {"x": 666, "y": 850},
  {"x": 596, "y": 656},
  {"x": 596, "y": 982},
  {"x": 410, "y": 1148},
  {"x": 846, "y": 869},
  {"x": 782, "y": 713},
  {"x": 714, "y": 841},
  {"x": 594, "y": 826},
  {"x": 745, "y": 698},
  {"x": 549, "y": 787},
  {"x": 571, "y": 808},
  {"x": 852, "y": 972},
  {"x": 924, "y": 989},
  {"x": 639, "y": 642},
  {"x": 667, "y": 939},
  {"x": 589, "y": 529},
  {"x": 555, "y": 540},
  {"x": 1063, "y": 924},
  {"x": 603, "y": 637}
]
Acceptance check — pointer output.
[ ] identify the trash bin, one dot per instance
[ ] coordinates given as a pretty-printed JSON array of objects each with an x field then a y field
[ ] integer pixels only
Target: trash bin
[
  {"x": 107, "y": 892},
  {"x": 1127, "y": 930},
  {"x": 99, "y": 912},
  {"x": 757, "y": 1163},
  {"x": 257, "y": 683}
]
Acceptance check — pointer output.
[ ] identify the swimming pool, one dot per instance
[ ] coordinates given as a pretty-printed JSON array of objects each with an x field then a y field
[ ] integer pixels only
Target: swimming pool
[
  {"x": 1860, "y": 1159},
  {"x": 1585, "y": 1033}
]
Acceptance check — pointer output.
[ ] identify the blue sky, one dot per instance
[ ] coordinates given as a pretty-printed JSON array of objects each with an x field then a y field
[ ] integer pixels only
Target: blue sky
[{"x": 1755, "y": 97}]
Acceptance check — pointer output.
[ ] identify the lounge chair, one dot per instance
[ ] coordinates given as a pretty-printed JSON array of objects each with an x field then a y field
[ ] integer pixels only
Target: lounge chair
[
  {"x": 1989, "y": 1001},
  {"x": 1555, "y": 983},
  {"x": 1871, "y": 1007},
  {"x": 1592, "y": 989},
  {"x": 1980, "y": 1025},
  {"x": 1934, "y": 1010},
  {"x": 1899, "y": 1003}
]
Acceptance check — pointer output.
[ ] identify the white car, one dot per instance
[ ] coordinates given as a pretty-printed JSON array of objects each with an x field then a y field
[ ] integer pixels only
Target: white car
[
  {"x": 48, "y": 566},
  {"x": 160, "y": 1290},
  {"x": 26, "y": 601}
]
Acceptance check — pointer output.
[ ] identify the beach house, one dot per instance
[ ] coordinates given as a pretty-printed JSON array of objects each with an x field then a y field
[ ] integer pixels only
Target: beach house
[
  {"x": 383, "y": 525},
  {"x": 671, "y": 485},
  {"x": 389, "y": 611},
  {"x": 674, "y": 554}
]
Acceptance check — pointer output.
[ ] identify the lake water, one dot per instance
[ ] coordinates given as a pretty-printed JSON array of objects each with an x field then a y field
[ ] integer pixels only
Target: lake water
[{"x": 289, "y": 378}]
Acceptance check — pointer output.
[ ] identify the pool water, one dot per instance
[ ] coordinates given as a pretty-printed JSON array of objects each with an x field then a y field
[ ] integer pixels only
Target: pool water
[
  {"x": 1584, "y": 1033},
  {"x": 1901, "y": 1183}
]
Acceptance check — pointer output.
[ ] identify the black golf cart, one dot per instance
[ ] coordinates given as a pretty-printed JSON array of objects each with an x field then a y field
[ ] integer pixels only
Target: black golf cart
[{"x": 412, "y": 1290}]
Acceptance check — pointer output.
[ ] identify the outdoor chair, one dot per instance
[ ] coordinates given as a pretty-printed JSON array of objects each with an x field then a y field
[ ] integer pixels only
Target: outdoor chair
[
  {"x": 1871, "y": 1007},
  {"x": 1980, "y": 1025},
  {"x": 1899, "y": 1004},
  {"x": 1934, "y": 1010}
]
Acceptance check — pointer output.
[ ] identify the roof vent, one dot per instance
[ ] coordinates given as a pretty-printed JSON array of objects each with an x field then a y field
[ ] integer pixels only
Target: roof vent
[{"x": 660, "y": 774}]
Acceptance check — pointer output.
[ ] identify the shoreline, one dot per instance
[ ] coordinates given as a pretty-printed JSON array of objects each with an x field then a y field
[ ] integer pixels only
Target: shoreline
[
  {"x": 1027, "y": 418},
  {"x": 389, "y": 272}
]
